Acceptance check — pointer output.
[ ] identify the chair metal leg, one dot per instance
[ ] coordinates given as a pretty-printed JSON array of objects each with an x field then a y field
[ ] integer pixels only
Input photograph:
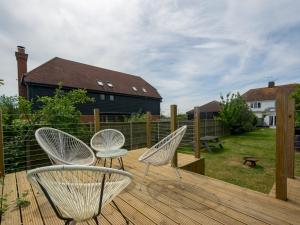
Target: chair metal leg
[
  {"x": 145, "y": 174},
  {"x": 125, "y": 218},
  {"x": 122, "y": 164},
  {"x": 70, "y": 222},
  {"x": 178, "y": 176},
  {"x": 96, "y": 220},
  {"x": 110, "y": 162}
]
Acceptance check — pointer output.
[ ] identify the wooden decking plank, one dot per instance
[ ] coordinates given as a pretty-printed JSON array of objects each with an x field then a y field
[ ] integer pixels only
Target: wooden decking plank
[
  {"x": 156, "y": 172},
  {"x": 12, "y": 216},
  {"x": 47, "y": 212},
  {"x": 193, "y": 181},
  {"x": 197, "y": 212},
  {"x": 201, "y": 210},
  {"x": 238, "y": 191},
  {"x": 164, "y": 208},
  {"x": 31, "y": 213},
  {"x": 234, "y": 214},
  {"x": 145, "y": 209},
  {"x": 259, "y": 205},
  {"x": 112, "y": 215},
  {"x": 134, "y": 215}
]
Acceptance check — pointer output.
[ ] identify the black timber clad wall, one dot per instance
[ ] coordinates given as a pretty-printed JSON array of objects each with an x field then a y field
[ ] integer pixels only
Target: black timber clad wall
[{"x": 121, "y": 103}]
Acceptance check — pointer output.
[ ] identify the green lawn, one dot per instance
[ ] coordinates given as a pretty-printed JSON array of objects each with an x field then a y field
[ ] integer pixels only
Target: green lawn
[{"x": 227, "y": 164}]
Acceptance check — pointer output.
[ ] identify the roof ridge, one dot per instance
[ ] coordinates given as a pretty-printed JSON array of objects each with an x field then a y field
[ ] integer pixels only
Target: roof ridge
[{"x": 97, "y": 67}]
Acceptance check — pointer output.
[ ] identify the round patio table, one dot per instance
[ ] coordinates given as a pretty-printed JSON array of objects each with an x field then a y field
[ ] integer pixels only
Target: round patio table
[{"x": 112, "y": 154}]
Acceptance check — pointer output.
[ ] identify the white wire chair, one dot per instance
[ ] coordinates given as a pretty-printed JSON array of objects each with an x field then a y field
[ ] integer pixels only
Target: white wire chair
[
  {"x": 78, "y": 193},
  {"x": 162, "y": 152},
  {"x": 108, "y": 143},
  {"x": 63, "y": 148}
]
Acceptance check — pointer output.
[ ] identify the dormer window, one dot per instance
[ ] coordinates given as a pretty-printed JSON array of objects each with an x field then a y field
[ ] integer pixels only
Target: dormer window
[
  {"x": 134, "y": 88},
  {"x": 109, "y": 84},
  {"x": 144, "y": 90},
  {"x": 100, "y": 83}
]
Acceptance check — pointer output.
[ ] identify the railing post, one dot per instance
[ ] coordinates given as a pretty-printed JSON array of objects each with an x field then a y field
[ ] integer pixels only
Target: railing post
[
  {"x": 2, "y": 166},
  {"x": 173, "y": 128},
  {"x": 281, "y": 145},
  {"x": 291, "y": 138},
  {"x": 149, "y": 129},
  {"x": 197, "y": 128},
  {"x": 131, "y": 138},
  {"x": 97, "y": 120}
]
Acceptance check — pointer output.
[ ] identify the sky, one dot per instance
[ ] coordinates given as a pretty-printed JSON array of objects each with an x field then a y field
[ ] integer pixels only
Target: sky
[{"x": 190, "y": 51}]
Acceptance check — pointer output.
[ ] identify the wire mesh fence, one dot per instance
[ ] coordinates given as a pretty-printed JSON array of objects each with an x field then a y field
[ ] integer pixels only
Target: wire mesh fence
[{"x": 21, "y": 150}]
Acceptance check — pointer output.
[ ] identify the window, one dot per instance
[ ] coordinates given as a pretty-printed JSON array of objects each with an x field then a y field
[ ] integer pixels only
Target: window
[
  {"x": 255, "y": 105},
  {"x": 100, "y": 83},
  {"x": 134, "y": 88},
  {"x": 144, "y": 90},
  {"x": 109, "y": 84},
  {"x": 111, "y": 98},
  {"x": 258, "y": 105},
  {"x": 102, "y": 97}
]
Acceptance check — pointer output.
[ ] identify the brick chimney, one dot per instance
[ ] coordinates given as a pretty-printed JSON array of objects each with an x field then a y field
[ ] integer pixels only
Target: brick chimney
[
  {"x": 21, "y": 57},
  {"x": 271, "y": 84}
]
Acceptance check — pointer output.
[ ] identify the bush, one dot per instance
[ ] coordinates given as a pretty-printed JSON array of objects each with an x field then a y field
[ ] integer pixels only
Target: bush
[
  {"x": 20, "y": 123},
  {"x": 296, "y": 96},
  {"x": 236, "y": 115}
]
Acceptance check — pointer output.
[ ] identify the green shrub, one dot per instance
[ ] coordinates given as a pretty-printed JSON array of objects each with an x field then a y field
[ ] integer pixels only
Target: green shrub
[{"x": 236, "y": 115}]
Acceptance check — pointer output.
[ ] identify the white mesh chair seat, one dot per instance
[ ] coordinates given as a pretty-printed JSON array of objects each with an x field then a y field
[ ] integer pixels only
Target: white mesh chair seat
[
  {"x": 108, "y": 143},
  {"x": 63, "y": 148},
  {"x": 78, "y": 193},
  {"x": 162, "y": 153},
  {"x": 108, "y": 139}
]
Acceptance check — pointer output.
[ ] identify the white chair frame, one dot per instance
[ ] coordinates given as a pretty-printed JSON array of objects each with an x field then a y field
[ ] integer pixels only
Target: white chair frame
[
  {"x": 162, "y": 152},
  {"x": 109, "y": 140},
  {"x": 63, "y": 148},
  {"x": 78, "y": 193}
]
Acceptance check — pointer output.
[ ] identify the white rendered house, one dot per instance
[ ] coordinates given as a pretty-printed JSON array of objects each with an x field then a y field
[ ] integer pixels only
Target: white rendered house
[{"x": 262, "y": 101}]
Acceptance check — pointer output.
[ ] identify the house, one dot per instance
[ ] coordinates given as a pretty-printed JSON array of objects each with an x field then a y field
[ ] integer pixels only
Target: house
[
  {"x": 262, "y": 101},
  {"x": 207, "y": 111},
  {"x": 116, "y": 94}
]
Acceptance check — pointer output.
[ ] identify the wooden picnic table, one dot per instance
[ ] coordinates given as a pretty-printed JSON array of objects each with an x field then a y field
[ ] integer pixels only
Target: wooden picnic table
[{"x": 210, "y": 141}]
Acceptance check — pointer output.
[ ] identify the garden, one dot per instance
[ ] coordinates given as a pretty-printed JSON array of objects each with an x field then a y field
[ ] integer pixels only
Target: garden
[{"x": 227, "y": 164}]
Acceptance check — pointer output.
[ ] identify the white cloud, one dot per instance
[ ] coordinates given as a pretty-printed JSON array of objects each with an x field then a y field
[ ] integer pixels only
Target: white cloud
[{"x": 189, "y": 50}]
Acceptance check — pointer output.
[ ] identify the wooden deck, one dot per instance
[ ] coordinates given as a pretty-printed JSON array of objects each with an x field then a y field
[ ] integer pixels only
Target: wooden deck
[
  {"x": 293, "y": 191},
  {"x": 203, "y": 200}
]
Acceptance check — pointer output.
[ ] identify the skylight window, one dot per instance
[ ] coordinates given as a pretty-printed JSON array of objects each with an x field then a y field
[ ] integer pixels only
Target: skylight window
[
  {"x": 109, "y": 84},
  {"x": 134, "y": 88},
  {"x": 100, "y": 83},
  {"x": 144, "y": 90}
]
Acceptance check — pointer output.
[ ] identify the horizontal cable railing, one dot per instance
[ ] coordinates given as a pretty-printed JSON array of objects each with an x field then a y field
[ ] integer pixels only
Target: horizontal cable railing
[{"x": 21, "y": 150}]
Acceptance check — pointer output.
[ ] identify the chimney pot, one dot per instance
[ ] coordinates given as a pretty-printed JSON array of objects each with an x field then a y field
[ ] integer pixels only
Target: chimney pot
[
  {"x": 271, "y": 84},
  {"x": 21, "y": 49}
]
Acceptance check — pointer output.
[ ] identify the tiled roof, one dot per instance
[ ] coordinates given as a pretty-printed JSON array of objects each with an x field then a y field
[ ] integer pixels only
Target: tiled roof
[
  {"x": 78, "y": 75},
  {"x": 267, "y": 93},
  {"x": 213, "y": 106}
]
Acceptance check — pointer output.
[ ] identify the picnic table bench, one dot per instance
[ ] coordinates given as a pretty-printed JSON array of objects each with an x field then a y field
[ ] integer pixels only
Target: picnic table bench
[{"x": 211, "y": 141}]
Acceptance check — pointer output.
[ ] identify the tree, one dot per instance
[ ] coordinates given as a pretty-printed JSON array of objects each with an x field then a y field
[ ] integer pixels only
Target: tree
[
  {"x": 296, "y": 96},
  {"x": 60, "y": 110},
  {"x": 236, "y": 115}
]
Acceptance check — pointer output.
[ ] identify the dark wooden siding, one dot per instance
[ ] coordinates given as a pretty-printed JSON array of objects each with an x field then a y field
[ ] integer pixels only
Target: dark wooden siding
[{"x": 122, "y": 104}]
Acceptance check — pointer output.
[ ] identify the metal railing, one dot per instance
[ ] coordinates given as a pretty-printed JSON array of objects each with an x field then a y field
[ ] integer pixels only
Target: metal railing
[{"x": 22, "y": 152}]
